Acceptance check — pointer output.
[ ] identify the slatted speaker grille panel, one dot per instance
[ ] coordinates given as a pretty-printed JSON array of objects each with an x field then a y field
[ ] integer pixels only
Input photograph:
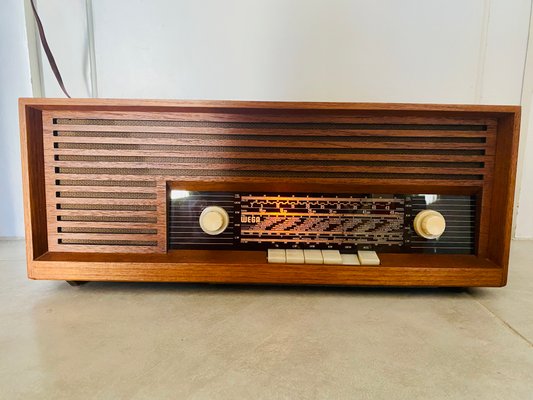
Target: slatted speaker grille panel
[{"x": 106, "y": 172}]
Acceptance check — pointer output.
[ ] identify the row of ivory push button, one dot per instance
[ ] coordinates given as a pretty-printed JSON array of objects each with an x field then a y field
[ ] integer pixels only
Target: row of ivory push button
[{"x": 297, "y": 256}]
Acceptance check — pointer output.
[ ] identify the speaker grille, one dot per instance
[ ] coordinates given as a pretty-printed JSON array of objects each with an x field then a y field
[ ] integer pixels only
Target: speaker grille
[{"x": 106, "y": 171}]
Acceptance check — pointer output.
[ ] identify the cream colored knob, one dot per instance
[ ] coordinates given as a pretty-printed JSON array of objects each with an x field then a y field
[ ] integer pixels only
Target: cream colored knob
[
  {"x": 214, "y": 220},
  {"x": 429, "y": 224}
]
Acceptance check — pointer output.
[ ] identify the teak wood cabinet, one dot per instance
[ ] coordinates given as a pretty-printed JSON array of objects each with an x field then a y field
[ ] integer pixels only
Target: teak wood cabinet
[{"x": 97, "y": 174}]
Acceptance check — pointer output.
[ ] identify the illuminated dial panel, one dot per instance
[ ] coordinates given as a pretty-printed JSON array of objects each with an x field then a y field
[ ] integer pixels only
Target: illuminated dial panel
[
  {"x": 315, "y": 220},
  {"x": 380, "y": 222}
]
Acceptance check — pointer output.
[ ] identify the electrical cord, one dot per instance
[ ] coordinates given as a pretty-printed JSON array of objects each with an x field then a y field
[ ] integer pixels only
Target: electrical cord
[{"x": 48, "y": 52}]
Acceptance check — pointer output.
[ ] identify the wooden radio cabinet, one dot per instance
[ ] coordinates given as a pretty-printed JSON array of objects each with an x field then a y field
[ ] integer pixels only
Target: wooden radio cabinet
[{"x": 202, "y": 191}]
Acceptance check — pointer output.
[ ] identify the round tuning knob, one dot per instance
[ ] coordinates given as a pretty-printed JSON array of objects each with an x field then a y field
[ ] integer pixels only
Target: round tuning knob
[
  {"x": 214, "y": 220},
  {"x": 429, "y": 224}
]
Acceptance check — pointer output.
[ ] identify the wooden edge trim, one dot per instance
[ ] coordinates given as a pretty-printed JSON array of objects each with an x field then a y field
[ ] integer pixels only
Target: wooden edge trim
[
  {"x": 275, "y": 274},
  {"x": 230, "y": 104},
  {"x": 511, "y": 193},
  {"x": 26, "y": 187}
]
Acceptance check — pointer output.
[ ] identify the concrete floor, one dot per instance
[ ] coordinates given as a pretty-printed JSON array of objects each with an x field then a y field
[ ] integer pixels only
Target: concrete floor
[{"x": 171, "y": 341}]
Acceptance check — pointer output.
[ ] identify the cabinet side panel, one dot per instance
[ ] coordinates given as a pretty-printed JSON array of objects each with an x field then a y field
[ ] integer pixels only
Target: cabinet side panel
[
  {"x": 503, "y": 191},
  {"x": 33, "y": 182}
]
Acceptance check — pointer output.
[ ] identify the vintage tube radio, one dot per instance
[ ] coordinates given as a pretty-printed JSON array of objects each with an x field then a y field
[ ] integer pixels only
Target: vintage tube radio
[{"x": 266, "y": 192}]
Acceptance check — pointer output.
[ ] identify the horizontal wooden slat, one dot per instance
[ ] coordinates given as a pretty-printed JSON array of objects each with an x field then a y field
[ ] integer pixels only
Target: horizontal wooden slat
[
  {"x": 292, "y": 116},
  {"x": 104, "y": 224},
  {"x": 281, "y": 131},
  {"x": 89, "y": 201},
  {"x": 353, "y": 182},
  {"x": 267, "y": 167},
  {"x": 123, "y": 178},
  {"x": 148, "y": 237},
  {"x": 81, "y": 248},
  {"x": 272, "y": 143},
  {"x": 103, "y": 189},
  {"x": 108, "y": 213},
  {"x": 272, "y": 155}
]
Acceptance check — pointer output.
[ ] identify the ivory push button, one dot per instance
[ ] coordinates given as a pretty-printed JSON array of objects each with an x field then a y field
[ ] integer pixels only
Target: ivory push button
[
  {"x": 429, "y": 224},
  {"x": 214, "y": 220},
  {"x": 313, "y": 257},
  {"x": 295, "y": 256},
  {"x": 276, "y": 256},
  {"x": 350, "y": 259},
  {"x": 367, "y": 257},
  {"x": 332, "y": 257}
]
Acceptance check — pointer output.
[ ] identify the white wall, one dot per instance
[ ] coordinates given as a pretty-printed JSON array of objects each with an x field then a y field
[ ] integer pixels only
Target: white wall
[
  {"x": 524, "y": 220},
  {"x": 442, "y": 51},
  {"x": 346, "y": 50},
  {"x": 14, "y": 83}
]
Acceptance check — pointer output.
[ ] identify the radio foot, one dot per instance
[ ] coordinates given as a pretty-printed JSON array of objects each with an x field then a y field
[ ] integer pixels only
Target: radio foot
[{"x": 76, "y": 283}]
